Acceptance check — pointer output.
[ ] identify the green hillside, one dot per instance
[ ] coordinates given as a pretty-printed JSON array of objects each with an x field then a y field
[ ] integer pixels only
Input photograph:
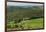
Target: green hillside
[
  {"x": 20, "y": 18},
  {"x": 28, "y": 24}
]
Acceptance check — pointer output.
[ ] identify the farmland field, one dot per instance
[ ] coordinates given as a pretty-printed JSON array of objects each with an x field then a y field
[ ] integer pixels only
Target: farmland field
[
  {"x": 28, "y": 24},
  {"x": 31, "y": 24}
]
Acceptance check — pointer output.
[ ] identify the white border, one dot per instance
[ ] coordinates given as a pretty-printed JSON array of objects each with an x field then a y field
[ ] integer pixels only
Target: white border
[{"x": 2, "y": 17}]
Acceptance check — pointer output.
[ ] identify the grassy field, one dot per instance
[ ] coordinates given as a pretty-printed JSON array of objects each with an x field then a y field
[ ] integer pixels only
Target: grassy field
[
  {"x": 28, "y": 24},
  {"x": 31, "y": 24}
]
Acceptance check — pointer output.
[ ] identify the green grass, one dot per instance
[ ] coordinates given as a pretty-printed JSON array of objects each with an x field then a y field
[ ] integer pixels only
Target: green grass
[
  {"x": 28, "y": 24},
  {"x": 31, "y": 24}
]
